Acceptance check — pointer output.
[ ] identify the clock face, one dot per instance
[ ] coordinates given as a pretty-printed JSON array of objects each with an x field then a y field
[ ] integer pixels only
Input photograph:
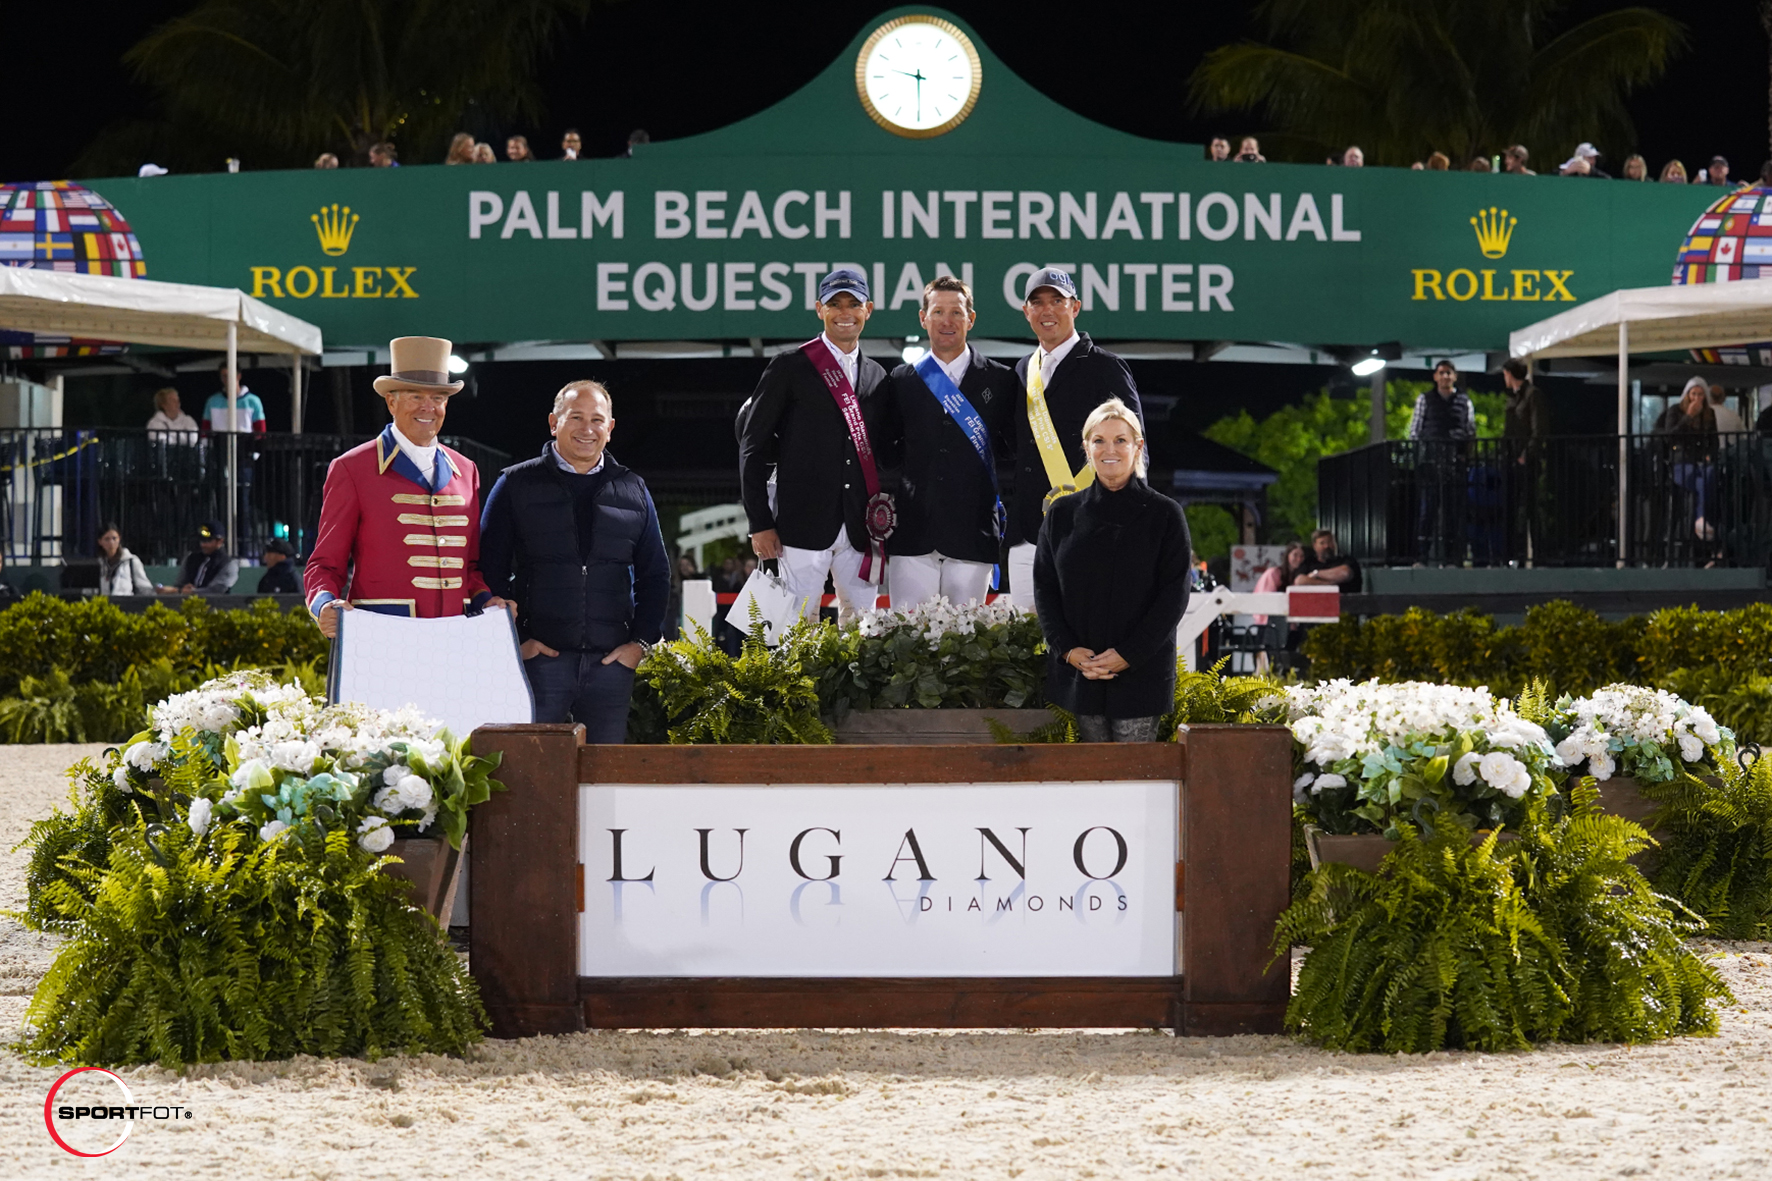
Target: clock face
[{"x": 918, "y": 76}]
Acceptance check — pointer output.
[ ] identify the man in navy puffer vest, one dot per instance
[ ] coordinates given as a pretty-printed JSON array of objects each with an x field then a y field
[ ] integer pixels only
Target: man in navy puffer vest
[{"x": 572, "y": 537}]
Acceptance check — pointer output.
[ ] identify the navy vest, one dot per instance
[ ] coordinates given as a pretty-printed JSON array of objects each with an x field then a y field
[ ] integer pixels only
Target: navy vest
[{"x": 566, "y": 600}]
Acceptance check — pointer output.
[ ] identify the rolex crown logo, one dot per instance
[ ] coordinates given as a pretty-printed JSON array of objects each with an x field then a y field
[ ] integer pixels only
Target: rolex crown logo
[
  {"x": 1494, "y": 229},
  {"x": 335, "y": 227}
]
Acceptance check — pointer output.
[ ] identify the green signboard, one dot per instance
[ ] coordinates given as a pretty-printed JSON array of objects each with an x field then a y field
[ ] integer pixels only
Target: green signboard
[{"x": 721, "y": 236}]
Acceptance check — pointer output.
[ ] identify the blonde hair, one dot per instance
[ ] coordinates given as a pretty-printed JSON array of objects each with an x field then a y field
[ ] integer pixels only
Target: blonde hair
[
  {"x": 1108, "y": 411},
  {"x": 582, "y": 387}
]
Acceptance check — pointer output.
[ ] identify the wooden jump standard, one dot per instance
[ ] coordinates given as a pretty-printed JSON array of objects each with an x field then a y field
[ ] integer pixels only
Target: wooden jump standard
[{"x": 527, "y": 889}]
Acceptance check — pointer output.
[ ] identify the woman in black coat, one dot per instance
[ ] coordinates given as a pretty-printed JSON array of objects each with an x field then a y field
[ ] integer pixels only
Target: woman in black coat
[{"x": 1110, "y": 584}]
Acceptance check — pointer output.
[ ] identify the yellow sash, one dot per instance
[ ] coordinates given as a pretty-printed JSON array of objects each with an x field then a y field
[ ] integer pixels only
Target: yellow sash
[{"x": 1058, "y": 469}]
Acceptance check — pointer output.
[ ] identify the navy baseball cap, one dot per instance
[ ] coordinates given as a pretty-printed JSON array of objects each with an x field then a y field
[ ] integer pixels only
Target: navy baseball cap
[
  {"x": 843, "y": 279},
  {"x": 1059, "y": 281},
  {"x": 210, "y": 530}
]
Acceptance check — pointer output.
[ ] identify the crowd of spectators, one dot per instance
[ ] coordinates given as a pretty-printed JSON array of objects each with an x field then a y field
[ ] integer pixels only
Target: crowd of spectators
[
  {"x": 1585, "y": 161},
  {"x": 464, "y": 149}
]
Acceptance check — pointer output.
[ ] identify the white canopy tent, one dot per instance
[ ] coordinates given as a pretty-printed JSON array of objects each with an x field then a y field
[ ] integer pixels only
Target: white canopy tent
[
  {"x": 1649, "y": 320},
  {"x": 176, "y": 315}
]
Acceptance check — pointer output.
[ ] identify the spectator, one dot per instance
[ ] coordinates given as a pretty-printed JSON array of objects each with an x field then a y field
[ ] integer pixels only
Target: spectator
[
  {"x": 1585, "y": 162},
  {"x": 1691, "y": 405},
  {"x": 636, "y": 138},
  {"x": 1326, "y": 565},
  {"x": 1219, "y": 149},
  {"x": 686, "y": 571},
  {"x": 570, "y": 143},
  {"x": 517, "y": 150},
  {"x": 280, "y": 576},
  {"x": 170, "y": 419},
  {"x": 1528, "y": 414},
  {"x": 1636, "y": 168},
  {"x": 1673, "y": 173},
  {"x": 483, "y": 154},
  {"x": 215, "y": 410},
  {"x": 1478, "y": 164},
  {"x": 1728, "y": 421},
  {"x": 1439, "y": 162},
  {"x": 1441, "y": 426},
  {"x": 1527, "y": 423},
  {"x": 461, "y": 149},
  {"x": 1278, "y": 578},
  {"x": 1763, "y": 424},
  {"x": 1249, "y": 151},
  {"x": 119, "y": 571},
  {"x": 384, "y": 155},
  {"x": 1693, "y": 450},
  {"x": 1111, "y": 578},
  {"x": 1514, "y": 160},
  {"x": 325, "y": 160},
  {"x": 209, "y": 569},
  {"x": 1353, "y": 158},
  {"x": 1766, "y": 173},
  {"x": 1445, "y": 413},
  {"x": 1716, "y": 174}
]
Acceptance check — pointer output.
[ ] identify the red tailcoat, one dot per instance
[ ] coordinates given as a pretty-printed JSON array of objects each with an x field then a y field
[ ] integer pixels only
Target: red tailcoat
[{"x": 388, "y": 543}]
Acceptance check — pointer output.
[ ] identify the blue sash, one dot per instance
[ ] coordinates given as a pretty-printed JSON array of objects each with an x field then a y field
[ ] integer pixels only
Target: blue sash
[{"x": 961, "y": 410}]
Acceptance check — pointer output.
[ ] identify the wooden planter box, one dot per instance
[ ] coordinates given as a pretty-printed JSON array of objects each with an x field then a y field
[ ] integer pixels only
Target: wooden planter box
[
  {"x": 432, "y": 868},
  {"x": 933, "y": 727},
  {"x": 1623, "y": 796},
  {"x": 1362, "y": 851}
]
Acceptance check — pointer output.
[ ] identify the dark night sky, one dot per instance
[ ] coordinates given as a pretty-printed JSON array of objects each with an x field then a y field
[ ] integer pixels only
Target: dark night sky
[{"x": 652, "y": 65}]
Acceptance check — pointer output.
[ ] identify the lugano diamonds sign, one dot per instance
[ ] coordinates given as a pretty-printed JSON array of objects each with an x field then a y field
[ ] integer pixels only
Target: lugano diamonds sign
[{"x": 932, "y": 880}]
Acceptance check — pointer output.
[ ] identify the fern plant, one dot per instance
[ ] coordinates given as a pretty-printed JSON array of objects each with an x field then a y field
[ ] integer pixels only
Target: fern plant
[
  {"x": 1479, "y": 946},
  {"x": 1440, "y": 950},
  {"x": 82, "y": 834},
  {"x": 1204, "y": 698},
  {"x": 184, "y": 948},
  {"x": 1717, "y": 859},
  {"x": 1633, "y": 979},
  {"x": 764, "y": 696}
]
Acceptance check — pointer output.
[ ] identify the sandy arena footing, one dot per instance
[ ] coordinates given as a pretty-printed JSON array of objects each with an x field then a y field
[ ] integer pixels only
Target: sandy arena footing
[{"x": 885, "y": 1104}]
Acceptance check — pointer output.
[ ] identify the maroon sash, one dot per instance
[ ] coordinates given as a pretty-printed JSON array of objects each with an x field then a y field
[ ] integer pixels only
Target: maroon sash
[{"x": 881, "y": 516}]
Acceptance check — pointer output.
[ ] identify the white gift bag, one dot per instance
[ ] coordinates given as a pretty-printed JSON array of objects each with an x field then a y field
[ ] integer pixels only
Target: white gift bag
[{"x": 779, "y": 607}]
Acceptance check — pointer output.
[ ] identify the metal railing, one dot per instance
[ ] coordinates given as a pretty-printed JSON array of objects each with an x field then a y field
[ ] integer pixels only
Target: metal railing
[
  {"x": 59, "y": 485},
  {"x": 1687, "y": 500}
]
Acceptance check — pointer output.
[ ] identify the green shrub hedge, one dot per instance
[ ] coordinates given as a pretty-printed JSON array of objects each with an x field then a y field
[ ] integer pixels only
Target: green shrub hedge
[{"x": 87, "y": 671}]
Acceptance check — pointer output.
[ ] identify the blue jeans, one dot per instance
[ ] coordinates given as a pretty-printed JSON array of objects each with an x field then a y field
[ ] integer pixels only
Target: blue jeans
[{"x": 579, "y": 687}]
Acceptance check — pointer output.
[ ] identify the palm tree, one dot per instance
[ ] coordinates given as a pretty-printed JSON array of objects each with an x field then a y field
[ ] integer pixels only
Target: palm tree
[
  {"x": 282, "y": 80},
  {"x": 1467, "y": 77}
]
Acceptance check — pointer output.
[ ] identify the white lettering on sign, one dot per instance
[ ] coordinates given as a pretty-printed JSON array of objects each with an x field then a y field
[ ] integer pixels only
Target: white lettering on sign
[
  {"x": 1023, "y": 215},
  {"x": 1013, "y": 879}
]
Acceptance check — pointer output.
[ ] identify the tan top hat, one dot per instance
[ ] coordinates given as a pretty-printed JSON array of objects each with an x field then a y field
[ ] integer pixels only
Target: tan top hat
[{"x": 418, "y": 363}]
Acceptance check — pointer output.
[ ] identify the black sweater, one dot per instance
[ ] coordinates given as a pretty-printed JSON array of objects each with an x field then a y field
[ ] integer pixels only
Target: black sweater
[{"x": 1112, "y": 571}]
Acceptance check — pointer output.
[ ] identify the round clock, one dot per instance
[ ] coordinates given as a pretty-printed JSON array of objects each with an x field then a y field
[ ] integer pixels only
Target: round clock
[{"x": 918, "y": 76}]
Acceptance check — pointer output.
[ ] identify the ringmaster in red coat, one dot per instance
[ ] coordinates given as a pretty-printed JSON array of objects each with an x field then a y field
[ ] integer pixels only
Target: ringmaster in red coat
[{"x": 400, "y": 517}]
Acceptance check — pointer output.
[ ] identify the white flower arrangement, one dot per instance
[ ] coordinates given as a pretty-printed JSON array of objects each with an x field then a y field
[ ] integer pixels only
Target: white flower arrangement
[
  {"x": 277, "y": 759},
  {"x": 1380, "y": 754},
  {"x": 936, "y": 618},
  {"x": 1637, "y": 732}
]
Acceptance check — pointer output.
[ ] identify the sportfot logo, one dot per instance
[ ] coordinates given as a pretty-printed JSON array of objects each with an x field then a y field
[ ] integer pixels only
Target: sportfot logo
[
  {"x": 1494, "y": 232},
  {"x": 84, "y": 1118},
  {"x": 335, "y": 226}
]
